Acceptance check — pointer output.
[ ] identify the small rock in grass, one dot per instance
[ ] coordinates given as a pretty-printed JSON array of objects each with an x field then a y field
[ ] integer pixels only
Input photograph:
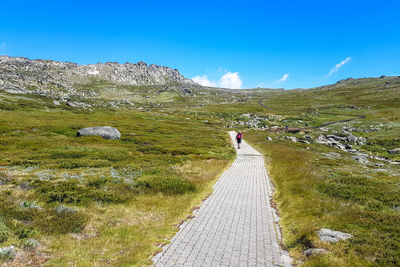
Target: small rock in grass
[
  {"x": 7, "y": 253},
  {"x": 394, "y": 151},
  {"x": 106, "y": 132},
  {"x": 351, "y": 138},
  {"x": 55, "y": 102},
  {"x": 63, "y": 209},
  {"x": 331, "y": 236},
  {"x": 361, "y": 159},
  {"x": 269, "y": 138},
  {"x": 314, "y": 251},
  {"x": 291, "y": 138}
]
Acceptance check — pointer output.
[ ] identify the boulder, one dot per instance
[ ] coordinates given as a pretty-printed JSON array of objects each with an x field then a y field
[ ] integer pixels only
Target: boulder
[
  {"x": 106, "y": 132},
  {"x": 331, "y": 236},
  {"x": 269, "y": 138},
  {"x": 394, "y": 151},
  {"x": 314, "y": 251}
]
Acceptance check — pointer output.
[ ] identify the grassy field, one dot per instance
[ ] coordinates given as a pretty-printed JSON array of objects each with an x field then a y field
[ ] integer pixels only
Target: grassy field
[
  {"x": 316, "y": 189},
  {"x": 91, "y": 201}
]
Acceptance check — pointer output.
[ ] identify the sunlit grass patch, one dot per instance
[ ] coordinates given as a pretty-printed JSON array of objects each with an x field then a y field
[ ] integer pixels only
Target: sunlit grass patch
[{"x": 313, "y": 191}]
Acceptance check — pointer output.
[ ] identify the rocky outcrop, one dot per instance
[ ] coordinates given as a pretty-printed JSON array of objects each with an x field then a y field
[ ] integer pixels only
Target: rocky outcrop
[
  {"x": 46, "y": 77},
  {"x": 106, "y": 132}
]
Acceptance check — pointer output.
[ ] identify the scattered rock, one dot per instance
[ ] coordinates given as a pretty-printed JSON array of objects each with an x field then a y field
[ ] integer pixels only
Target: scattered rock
[
  {"x": 394, "y": 151},
  {"x": 63, "y": 209},
  {"x": 106, "y": 132},
  {"x": 331, "y": 236},
  {"x": 269, "y": 138},
  {"x": 361, "y": 159},
  {"x": 314, "y": 251},
  {"x": 292, "y": 138},
  {"x": 304, "y": 141},
  {"x": 352, "y": 139},
  {"x": 78, "y": 105},
  {"x": 7, "y": 253},
  {"x": 55, "y": 102}
]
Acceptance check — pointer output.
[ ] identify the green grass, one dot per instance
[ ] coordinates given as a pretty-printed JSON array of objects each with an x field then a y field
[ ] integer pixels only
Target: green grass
[
  {"x": 313, "y": 191},
  {"x": 129, "y": 194}
]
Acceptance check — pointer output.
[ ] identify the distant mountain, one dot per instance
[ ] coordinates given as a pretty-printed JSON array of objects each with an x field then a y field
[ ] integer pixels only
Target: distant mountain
[{"x": 19, "y": 74}]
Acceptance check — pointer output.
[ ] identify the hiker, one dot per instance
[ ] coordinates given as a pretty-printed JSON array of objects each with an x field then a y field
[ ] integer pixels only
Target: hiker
[{"x": 239, "y": 137}]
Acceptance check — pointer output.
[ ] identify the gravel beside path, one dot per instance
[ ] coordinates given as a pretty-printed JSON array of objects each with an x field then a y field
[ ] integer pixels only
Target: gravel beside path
[{"x": 235, "y": 226}]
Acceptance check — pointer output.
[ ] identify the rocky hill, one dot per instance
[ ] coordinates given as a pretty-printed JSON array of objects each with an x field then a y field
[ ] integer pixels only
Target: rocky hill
[{"x": 21, "y": 75}]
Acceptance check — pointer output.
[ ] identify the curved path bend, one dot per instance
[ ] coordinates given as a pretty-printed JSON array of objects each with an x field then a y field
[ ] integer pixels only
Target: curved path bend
[{"x": 235, "y": 226}]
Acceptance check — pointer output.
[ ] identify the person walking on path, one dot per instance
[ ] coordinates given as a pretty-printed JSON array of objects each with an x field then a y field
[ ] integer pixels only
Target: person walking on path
[{"x": 239, "y": 137}]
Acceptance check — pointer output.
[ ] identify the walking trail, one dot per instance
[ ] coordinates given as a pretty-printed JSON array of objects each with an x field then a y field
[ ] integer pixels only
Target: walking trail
[{"x": 235, "y": 226}]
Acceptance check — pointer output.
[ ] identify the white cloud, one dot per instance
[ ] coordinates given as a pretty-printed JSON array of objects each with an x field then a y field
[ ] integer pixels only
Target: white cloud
[
  {"x": 284, "y": 78},
  {"x": 203, "y": 80},
  {"x": 337, "y": 67},
  {"x": 3, "y": 46},
  {"x": 228, "y": 80}
]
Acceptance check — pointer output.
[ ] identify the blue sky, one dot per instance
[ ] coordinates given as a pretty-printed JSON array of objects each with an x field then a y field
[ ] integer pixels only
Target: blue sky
[{"x": 288, "y": 44}]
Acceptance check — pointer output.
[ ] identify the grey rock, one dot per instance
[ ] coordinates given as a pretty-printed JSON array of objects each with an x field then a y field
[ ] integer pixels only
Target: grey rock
[
  {"x": 394, "y": 151},
  {"x": 361, "y": 159},
  {"x": 351, "y": 138},
  {"x": 314, "y": 251},
  {"x": 55, "y": 102},
  {"x": 308, "y": 136},
  {"x": 7, "y": 253},
  {"x": 304, "y": 141},
  {"x": 269, "y": 138},
  {"x": 331, "y": 236},
  {"x": 291, "y": 138},
  {"x": 348, "y": 147},
  {"x": 63, "y": 209},
  {"x": 78, "y": 105},
  {"x": 106, "y": 132},
  {"x": 321, "y": 139}
]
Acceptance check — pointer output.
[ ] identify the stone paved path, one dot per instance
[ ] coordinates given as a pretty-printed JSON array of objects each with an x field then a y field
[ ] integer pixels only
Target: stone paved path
[{"x": 235, "y": 226}]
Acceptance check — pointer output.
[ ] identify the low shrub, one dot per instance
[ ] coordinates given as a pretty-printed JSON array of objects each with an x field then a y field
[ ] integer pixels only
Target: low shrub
[
  {"x": 167, "y": 185},
  {"x": 4, "y": 231}
]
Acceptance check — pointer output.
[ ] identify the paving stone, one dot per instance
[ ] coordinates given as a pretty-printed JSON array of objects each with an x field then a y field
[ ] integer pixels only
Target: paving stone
[{"x": 235, "y": 225}]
